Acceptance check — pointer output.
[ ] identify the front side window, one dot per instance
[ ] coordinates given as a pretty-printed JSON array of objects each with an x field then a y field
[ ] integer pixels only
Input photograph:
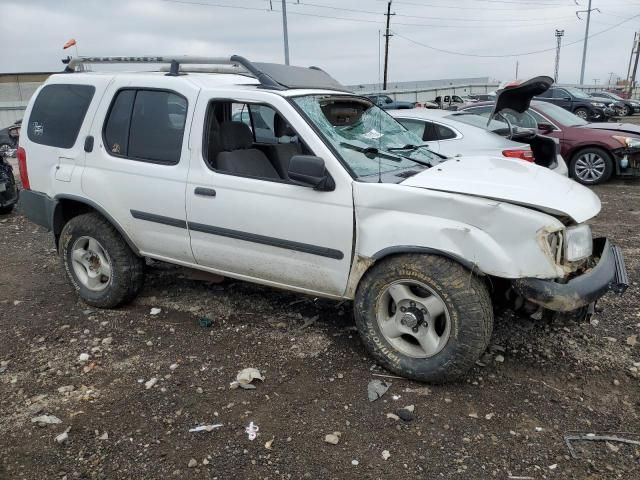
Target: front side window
[
  {"x": 576, "y": 92},
  {"x": 58, "y": 113},
  {"x": 366, "y": 138},
  {"x": 146, "y": 125}
]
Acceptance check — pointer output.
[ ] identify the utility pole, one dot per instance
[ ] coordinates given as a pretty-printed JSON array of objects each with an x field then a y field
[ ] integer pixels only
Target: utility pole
[
  {"x": 285, "y": 32},
  {"x": 634, "y": 51},
  {"x": 386, "y": 45},
  {"x": 559, "y": 35},
  {"x": 517, "y": 68},
  {"x": 586, "y": 36}
]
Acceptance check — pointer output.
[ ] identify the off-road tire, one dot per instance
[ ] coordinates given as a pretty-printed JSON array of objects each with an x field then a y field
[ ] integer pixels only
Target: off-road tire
[
  {"x": 6, "y": 210},
  {"x": 465, "y": 296},
  {"x": 127, "y": 275},
  {"x": 608, "y": 165}
]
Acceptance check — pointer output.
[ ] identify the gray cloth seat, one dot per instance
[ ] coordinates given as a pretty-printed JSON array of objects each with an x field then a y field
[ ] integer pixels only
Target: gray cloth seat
[
  {"x": 237, "y": 155},
  {"x": 282, "y": 153}
]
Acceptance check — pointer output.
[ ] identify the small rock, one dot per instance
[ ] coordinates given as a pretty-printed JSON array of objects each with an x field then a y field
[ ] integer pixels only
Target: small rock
[
  {"x": 205, "y": 462},
  {"x": 489, "y": 416},
  {"x": 150, "y": 383},
  {"x": 107, "y": 341},
  {"x": 149, "y": 343},
  {"x": 385, "y": 454},
  {"x": 616, "y": 382},
  {"x": 156, "y": 311},
  {"x": 376, "y": 389},
  {"x": 83, "y": 357},
  {"x": 473, "y": 415},
  {"x": 553, "y": 467},
  {"x": 104, "y": 436},
  {"x": 192, "y": 463},
  {"x": 393, "y": 416},
  {"x": 63, "y": 437},
  {"x": 66, "y": 389},
  {"x": 632, "y": 340},
  {"x": 499, "y": 358},
  {"x": 404, "y": 414},
  {"x": 411, "y": 408},
  {"x": 173, "y": 366},
  {"x": 332, "y": 438},
  {"x": 354, "y": 462},
  {"x": 269, "y": 444},
  {"x": 46, "y": 420},
  {"x": 246, "y": 376}
]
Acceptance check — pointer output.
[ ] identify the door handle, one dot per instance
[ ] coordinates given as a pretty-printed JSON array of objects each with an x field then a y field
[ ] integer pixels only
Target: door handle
[{"x": 205, "y": 192}]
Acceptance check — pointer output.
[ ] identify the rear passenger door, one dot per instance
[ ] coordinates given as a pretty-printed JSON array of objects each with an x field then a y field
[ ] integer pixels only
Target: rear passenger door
[{"x": 137, "y": 168}]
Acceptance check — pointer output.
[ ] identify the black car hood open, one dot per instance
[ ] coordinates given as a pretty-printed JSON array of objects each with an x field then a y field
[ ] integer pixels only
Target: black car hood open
[{"x": 518, "y": 97}]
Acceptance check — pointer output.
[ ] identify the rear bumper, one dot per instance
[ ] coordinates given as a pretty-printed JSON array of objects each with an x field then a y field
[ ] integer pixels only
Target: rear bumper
[
  {"x": 609, "y": 274},
  {"x": 38, "y": 208}
]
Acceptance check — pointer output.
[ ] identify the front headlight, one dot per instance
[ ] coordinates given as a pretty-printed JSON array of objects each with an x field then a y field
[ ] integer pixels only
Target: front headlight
[
  {"x": 627, "y": 141},
  {"x": 578, "y": 243},
  {"x": 598, "y": 104}
]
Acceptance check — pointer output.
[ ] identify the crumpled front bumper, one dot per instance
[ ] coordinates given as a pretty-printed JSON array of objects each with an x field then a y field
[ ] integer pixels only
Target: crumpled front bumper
[{"x": 609, "y": 274}]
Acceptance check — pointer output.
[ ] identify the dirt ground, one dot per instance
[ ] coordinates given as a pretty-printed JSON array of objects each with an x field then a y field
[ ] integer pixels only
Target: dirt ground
[{"x": 508, "y": 419}]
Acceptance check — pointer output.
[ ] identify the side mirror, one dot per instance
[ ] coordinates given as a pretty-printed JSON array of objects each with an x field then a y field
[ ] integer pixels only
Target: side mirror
[
  {"x": 310, "y": 171},
  {"x": 545, "y": 127}
]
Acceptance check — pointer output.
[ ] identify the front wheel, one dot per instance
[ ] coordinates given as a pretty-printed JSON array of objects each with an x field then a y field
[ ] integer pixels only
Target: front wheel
[
  {"x": 424, "y": 317},
  {"x": 591, "y": 166},
  {"x": 626, "y": 111},
  {"x": 583, "y": 113},
  {"x": 98, "y": 262}
]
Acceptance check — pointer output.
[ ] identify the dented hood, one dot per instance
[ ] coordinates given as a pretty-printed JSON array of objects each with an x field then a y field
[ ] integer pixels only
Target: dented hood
[{"x": 513, "y": 181}]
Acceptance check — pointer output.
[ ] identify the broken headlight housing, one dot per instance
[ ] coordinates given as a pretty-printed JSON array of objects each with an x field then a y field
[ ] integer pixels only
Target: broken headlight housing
[{"x": 578, "y": 243}]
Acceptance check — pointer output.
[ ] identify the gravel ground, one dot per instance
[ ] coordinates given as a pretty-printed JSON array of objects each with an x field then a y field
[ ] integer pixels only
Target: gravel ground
[{"x": 127, "y": 385}]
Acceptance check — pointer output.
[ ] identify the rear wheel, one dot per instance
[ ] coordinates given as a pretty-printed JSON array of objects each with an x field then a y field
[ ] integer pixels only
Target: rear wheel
[
  {"x": 591, "y": 166},
  {"x": 99, "y": 263},
  {"x": 626, "y": 111},
  {"x": 424, "y": 317},
  {"x": 583, "y": 113}
]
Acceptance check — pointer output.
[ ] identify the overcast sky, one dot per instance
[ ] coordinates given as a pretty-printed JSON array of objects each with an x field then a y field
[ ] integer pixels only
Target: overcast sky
[{"x": 35, "y": 30}]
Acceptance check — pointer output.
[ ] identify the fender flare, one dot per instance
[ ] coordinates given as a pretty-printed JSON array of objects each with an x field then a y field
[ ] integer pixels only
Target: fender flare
[
  {"x": 57, "y": 224},
  {"x": 385, "y": 252}
]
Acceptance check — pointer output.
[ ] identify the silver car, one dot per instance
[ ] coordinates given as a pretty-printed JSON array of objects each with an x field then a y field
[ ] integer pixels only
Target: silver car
[{"x": 453, "y": 133}]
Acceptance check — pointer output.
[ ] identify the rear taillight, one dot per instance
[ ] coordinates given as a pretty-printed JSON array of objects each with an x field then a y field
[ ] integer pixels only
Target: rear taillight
[
  {"x": 522, "y": 154},
  {"x": 22, "y": 165}
]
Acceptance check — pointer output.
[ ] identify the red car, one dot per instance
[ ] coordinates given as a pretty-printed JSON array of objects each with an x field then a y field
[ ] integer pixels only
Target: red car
[{"x": 593, "y": 151}]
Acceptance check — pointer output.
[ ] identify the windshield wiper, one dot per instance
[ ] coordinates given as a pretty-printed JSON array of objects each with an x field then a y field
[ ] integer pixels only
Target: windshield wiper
[
  {"x": 408, "y": 146},
  {"x": 372, "y": 152}
]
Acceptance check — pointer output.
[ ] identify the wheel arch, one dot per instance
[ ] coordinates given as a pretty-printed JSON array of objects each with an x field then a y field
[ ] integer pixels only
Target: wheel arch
[
  {"x": 70, "y": 206},
  {"x": 362, "y": 265}
]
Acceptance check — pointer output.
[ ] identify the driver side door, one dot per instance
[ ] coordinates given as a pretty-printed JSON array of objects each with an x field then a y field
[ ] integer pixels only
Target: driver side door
[{"x": 265, "y": 229}]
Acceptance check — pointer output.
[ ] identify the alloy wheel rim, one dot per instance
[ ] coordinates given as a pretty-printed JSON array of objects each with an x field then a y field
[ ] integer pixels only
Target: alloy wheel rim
[
  {"x": 582, "y": 114},
  {"x": 413, "y": 318},
  {"x": 590, "y": 167},
  {"x": 91, "y": 263}
]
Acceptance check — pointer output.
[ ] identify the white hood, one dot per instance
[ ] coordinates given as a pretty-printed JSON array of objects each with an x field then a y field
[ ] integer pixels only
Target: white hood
[{"x": 513, "y": 181}]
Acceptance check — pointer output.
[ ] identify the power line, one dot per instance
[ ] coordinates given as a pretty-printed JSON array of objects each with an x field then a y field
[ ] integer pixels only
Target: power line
[
  {"x": 483, "y": 8},
  {"x": 451, "y": 52},
  {"x": 331, "y": 17},
  {"x": 353, "y": 10}
]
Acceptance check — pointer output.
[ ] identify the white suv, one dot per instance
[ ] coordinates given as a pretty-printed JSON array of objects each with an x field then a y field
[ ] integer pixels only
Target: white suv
[{"x": 277, "y": 175}]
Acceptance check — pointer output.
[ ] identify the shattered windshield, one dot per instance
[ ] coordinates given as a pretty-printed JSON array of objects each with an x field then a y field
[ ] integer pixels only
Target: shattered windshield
[{"x": 368, "y": 139}]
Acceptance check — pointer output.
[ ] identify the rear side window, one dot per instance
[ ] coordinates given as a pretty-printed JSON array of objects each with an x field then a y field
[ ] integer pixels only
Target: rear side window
[
  {"x": 444, "y": 133},
  {"x": 58, "y": 113},
  {"x": 146, "y": 125}
]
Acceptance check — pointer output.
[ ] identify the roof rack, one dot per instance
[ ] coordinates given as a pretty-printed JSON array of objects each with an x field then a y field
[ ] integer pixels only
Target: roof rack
[{"x": 270, "y": 75}]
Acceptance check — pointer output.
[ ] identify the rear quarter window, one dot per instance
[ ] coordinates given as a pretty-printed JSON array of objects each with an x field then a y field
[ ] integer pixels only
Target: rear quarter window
[{"x": 58, "y": 113}]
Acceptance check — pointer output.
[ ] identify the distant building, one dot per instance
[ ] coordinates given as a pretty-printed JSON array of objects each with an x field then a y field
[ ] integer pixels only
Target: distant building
[
  {"x": 15, "y": 91},
  {"x": 418, "y": 85}
]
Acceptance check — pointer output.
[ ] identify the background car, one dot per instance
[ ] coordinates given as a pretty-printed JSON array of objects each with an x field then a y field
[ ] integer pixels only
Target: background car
[
  {"x": 387, "y": 103},
  {"x": 579, "y": 103},
  {"x": 594, "y": 151},
  {"x": 9, "y": 139},
  {"x": 445, "y": 134},
  {"x": 627, "y": 107},
  {"x": 8, "y": 188}
]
